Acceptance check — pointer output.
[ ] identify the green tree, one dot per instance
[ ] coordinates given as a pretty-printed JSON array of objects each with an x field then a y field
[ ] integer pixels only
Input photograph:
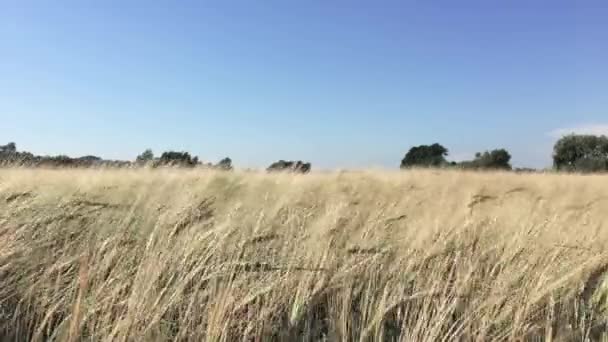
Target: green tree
[
  {"x": 499, "y": 159},
  {"x": 581, "y": 153},
  {"x": 178, "y": 159},
  {"x": 425, "y": 156},
  {"x": 11, "y": 147},
  {"x": 146, "y": 157},
  {"x": 224, "y": 164},
  {"x": 289, "y": 166}
]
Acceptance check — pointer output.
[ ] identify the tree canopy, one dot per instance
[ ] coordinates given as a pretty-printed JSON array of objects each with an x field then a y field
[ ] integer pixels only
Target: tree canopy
[
  {"x": 581, "y": 153},
  {"x": 224, "y": 164},
  {"x": 290, "y": 166},
  {"x": 572, "y": 153},
  {"x": 499, "y": 159},
  {"x": 11, "y": 147},
  {"x": 425, "y": 156},
  {"x": 177, "y": 159},
  {"x": 146, "y": 157}
]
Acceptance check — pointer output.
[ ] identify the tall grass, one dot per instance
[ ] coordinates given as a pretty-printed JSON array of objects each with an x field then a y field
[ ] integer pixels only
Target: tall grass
[{"x": 371, "y": 256}]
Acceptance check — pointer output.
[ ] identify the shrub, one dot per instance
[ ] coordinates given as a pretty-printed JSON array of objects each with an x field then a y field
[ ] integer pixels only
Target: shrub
[
  {"x": 224, "y": 164},
  {"x": 11, "y": 147},
  {"x": 581, "y": 153},
  {"x": 290, "y": 166},
  {"x": 182, "y": 159},
  {"x": 495, "y": 160},
  {"x": 146, "y": 157},
  {"x": 425, "y": 156}
]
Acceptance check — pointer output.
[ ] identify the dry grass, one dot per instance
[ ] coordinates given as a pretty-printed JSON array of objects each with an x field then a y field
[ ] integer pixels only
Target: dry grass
[{"x": 371, "y": 256}]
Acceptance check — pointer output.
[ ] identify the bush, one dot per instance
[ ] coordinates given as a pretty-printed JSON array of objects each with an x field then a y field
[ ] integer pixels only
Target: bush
[
  {"x": 290, "y": 166},
  {"x": 581, "y": 153},
  {"x": 9, "y": 156},
  {"x": 525, "y": 170},
  {"x": 146, "y": 157},
  {"x": 425, "y": 156},
  {"x": 591, "y": 164},
  {"x": 224, "y": 164},
  {"x": 494, "y": 160},
  {"x": 182, "y": 159},
  {"x": 11, "y": 147}
]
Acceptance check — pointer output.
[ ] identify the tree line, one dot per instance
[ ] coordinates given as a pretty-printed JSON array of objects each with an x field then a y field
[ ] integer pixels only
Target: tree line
[
  {"x": 571, "y": 153},
  {"x": 435, "y": 156},
  {"x": 10, "y": 156}
]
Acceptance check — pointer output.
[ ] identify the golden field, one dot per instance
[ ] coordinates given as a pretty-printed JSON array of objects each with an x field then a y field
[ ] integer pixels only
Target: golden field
[{"x": 177, "y": 255}]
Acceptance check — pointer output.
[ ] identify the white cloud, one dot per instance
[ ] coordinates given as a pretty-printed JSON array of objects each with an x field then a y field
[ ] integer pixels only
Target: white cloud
[{"x": 594, "y": 129}]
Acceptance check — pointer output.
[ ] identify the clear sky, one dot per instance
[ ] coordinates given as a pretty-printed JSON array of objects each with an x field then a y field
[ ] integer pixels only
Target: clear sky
[{"x": 337, "y": 83}]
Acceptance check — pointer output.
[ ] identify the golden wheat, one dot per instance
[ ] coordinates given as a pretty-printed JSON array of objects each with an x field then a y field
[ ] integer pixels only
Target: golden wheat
[{"x": 160, "y": 255}]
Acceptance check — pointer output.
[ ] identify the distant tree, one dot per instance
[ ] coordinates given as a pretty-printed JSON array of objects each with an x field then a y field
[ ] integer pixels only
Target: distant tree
[
  {"x": 11, "y": 147},
  {"x": 496, "y": 159},
  {"x": 290, "y": 166},
  {"x": 581, "y": 153},
  {"x": 173, "y": 158},
  {"x": 526, "y": 170},
  {"x": 500, "y": 159},
  {"x": 146, "y": 157},
  {"x": 62, "y": 161},
  {"x": 425, "y": 156},
  {"x": 90, "y": 158},
  {"x": 224, "y": 164},
  {"x": 9, "y": 156},
  {"x": 88, "y": 161}
]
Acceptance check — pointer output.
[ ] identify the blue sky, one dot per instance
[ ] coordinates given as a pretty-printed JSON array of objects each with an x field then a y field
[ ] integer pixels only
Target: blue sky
[{"x": 337, "y": 83}]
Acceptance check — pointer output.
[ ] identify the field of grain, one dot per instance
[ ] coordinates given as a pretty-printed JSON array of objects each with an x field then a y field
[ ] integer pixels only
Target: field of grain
[{"x": 176, "y": 255}]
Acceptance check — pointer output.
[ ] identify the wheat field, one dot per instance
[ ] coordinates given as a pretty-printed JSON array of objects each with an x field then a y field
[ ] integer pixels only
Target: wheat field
[{"x": 186, "y": 255}]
